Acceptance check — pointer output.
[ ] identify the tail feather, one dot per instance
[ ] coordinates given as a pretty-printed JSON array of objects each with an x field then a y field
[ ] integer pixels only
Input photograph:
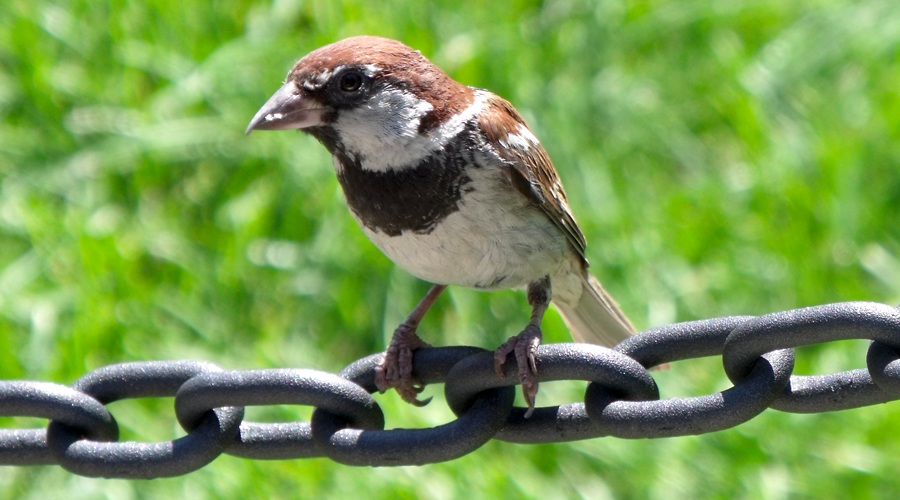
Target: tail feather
[{"x": 595, "y": 318}]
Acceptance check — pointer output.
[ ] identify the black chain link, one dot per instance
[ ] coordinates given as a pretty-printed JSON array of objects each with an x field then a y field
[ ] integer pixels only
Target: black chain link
[{"x": 347, "y": 425}]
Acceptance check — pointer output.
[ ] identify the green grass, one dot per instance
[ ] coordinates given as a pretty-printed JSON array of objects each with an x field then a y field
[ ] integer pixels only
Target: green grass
[{"x": 722, "y": 158}]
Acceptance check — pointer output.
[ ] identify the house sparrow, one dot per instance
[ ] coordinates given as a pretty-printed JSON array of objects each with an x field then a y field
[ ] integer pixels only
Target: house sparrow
[{"x": 449, "y": 182}]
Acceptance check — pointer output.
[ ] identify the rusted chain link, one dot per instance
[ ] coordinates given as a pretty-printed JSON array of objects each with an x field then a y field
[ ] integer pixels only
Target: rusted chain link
[{"x": 347, "y": 425}]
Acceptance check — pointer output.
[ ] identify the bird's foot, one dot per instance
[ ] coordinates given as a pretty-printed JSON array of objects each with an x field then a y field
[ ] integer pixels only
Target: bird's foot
[
  {"x": 524, "y": 345},
  {"x": 395, "y": 370}
]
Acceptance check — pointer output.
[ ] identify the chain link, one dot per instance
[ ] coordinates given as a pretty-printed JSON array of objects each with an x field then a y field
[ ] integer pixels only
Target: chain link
[{"x": 347, "y": 425}]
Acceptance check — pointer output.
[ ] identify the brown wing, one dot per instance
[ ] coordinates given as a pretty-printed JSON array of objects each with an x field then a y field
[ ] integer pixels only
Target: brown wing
[{"x": 530, "y": 169}]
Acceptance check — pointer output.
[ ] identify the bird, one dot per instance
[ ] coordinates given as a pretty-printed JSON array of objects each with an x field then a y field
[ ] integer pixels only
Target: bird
[{"x": 449, "y": 182}]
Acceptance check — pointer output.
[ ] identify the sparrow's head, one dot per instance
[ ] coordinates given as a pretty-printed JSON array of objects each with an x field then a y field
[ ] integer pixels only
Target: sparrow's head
[{"x": 366, "y": 98}]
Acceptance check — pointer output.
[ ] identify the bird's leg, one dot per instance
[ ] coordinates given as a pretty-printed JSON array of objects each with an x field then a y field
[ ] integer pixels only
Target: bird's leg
[
  {"x": 395, "y": 370},
  {"x": 526, "y": 343}
]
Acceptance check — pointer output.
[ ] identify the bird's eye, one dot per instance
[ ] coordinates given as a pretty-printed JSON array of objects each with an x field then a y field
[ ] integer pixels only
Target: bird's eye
[{"x": 351, "y": 82}]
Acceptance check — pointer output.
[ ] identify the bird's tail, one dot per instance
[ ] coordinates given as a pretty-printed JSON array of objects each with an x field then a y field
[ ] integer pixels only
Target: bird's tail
[{"x": 595, "y": 317}]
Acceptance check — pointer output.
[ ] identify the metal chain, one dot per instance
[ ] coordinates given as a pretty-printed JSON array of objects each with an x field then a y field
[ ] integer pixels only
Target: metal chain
[{"x": 347, "y": 425}]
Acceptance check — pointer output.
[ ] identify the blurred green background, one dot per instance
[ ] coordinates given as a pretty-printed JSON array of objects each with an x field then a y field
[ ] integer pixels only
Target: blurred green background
[{"x": 722, "y": 158}]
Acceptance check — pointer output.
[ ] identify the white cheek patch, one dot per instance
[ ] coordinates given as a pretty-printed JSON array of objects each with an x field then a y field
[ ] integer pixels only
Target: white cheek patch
[
  {"x": 379, "y": 130},
  {"x": 384, "y": 132}
]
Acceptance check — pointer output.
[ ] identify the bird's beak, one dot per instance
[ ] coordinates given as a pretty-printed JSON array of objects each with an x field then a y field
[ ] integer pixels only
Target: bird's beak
[{"x": 289, "y": 108}]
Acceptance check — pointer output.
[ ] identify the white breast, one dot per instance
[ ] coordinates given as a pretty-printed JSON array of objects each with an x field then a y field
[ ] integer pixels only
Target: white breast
[{"x": 496, "y": 240}]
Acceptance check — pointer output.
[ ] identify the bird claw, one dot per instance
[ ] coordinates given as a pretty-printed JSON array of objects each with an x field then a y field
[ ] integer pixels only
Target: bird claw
[
  {"x": 395, "y": 369},
  {"x": 524, "y": 346}
]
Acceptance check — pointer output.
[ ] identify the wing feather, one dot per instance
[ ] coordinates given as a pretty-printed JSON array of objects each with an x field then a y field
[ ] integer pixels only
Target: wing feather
[{"x": 530, "y": 170}]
